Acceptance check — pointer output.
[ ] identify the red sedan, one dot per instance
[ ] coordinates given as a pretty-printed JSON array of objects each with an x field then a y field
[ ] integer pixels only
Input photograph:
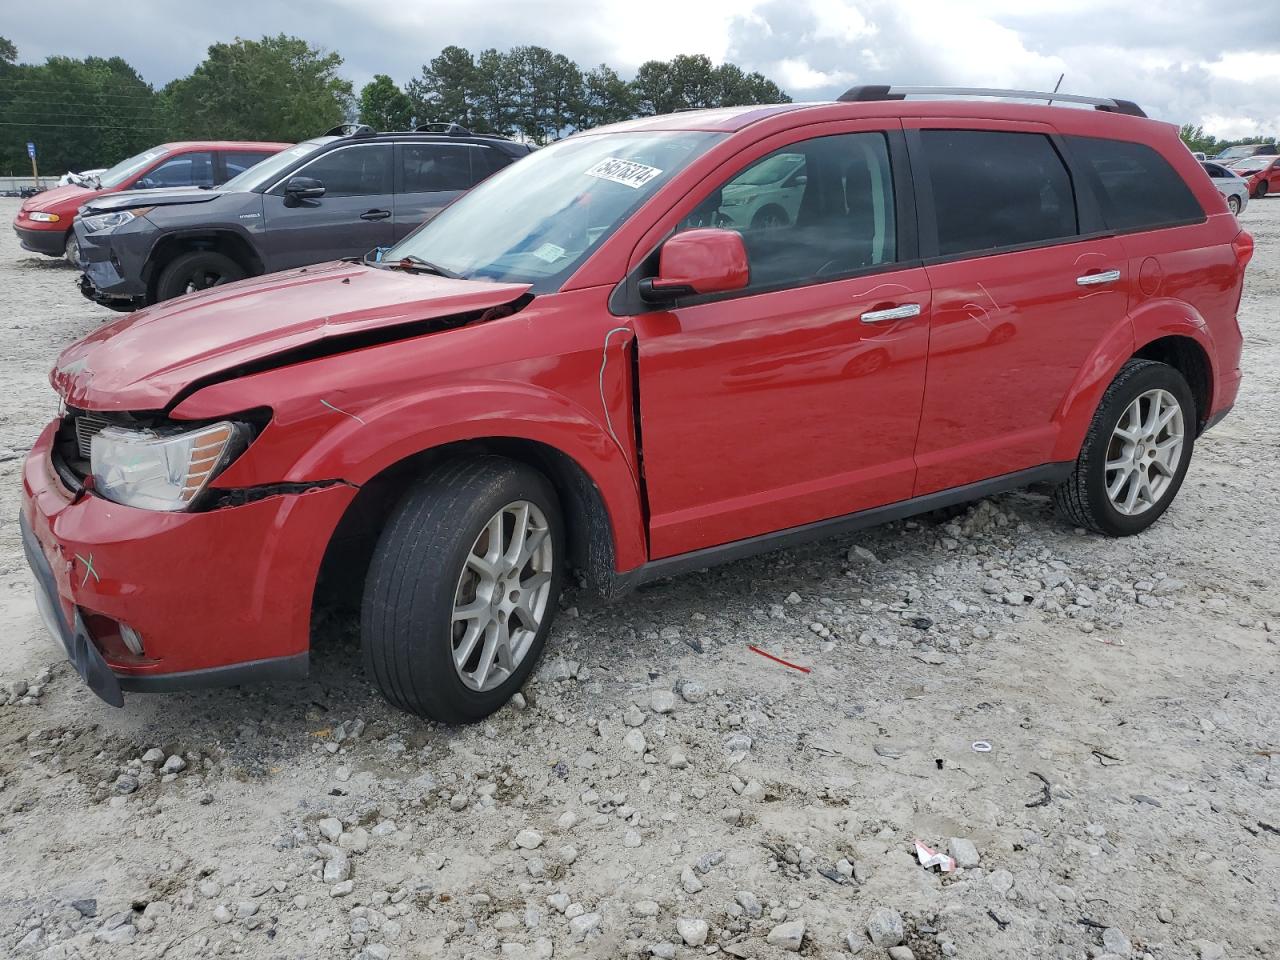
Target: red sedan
[{"x": 43, "y": 223}]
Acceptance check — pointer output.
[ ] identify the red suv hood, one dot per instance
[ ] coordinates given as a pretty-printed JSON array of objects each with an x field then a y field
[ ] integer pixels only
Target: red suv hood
[
  {"x": 60, "y": 200},
  {"x": 141, "y": 362}
]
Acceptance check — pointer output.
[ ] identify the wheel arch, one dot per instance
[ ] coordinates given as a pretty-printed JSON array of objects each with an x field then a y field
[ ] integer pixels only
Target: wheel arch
[
  {"x": 228, "y": 242},
  {"x": 1164, "y": 330},
  {"x": 589, "y": 533}
]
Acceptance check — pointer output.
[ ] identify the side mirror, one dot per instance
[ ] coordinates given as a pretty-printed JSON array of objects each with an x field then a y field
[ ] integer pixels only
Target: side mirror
[
  {"x": 705, "y": 260},
  {"x": 298, "y": 189}
]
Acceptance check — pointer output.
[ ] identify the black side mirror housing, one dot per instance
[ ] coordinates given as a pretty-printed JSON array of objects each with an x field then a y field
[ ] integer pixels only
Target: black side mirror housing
[{"x": 298, "y": 189}]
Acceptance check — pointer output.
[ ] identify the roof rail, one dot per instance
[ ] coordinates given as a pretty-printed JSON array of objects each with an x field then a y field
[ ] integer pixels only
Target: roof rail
[
  {"x": 875, "y": 92},
  {"x": 350, "y": 130},
  {"x": 448, "y": 128}
]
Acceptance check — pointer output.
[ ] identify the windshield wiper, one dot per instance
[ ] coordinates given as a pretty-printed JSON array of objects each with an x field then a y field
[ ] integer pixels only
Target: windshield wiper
[{"x": 416, "y": 263}]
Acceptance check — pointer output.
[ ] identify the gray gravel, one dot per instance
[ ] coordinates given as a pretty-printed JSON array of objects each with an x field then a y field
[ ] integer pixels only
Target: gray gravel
[{"x": 662, "y": 791}]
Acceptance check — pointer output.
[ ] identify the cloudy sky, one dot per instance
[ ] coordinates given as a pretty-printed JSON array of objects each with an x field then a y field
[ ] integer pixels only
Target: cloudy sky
[{"x": 1215, "y": 63}]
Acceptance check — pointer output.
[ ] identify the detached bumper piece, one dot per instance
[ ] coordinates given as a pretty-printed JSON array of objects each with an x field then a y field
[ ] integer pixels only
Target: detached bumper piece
[{"x": 74, "y": 636}]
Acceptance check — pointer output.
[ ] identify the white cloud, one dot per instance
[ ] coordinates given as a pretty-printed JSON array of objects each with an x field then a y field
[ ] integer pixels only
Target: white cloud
[{"x": 1183, "y": 60}]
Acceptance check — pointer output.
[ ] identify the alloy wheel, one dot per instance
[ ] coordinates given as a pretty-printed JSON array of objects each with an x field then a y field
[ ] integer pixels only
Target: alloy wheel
[
  {"x": 203, "y": 280},
  {"x": 501, "y": 597},
  {"x": 1144, "y": 452}
]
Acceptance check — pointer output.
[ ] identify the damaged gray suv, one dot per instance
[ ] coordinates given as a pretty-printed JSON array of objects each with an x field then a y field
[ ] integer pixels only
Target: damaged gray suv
[{"x": 339, "y": 195}]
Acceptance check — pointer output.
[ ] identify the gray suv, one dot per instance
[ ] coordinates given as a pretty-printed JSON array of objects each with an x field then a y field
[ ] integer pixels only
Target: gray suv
[{"x": 331, "y": 197}]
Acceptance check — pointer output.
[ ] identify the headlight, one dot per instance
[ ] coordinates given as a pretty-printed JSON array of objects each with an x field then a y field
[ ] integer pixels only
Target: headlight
[
  {"x": 154, "y": 471},
  {"x": 41, "y": 217},
  {"x": 103, "y": 222}
]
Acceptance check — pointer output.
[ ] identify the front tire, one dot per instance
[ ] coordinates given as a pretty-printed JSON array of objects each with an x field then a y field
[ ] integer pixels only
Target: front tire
[
  {"x": 71, "y": 249},
  {"x": 196, "y": 270},
  {"x": 1261, "y": 190},
  {"x": 1136, "y": 453},
  {"x": 462, "y": 589}
]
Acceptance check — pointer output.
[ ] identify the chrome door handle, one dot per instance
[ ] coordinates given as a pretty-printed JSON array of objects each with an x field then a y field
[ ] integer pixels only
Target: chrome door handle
[
  {"x": 375, "y": 215},
  {"x": 1096, "y": 279},
  {"x": 892, "y": 313}
]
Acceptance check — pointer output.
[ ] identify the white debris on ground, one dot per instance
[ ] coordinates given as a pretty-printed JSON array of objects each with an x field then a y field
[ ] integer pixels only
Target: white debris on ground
[{"x": 662, "y": 791}]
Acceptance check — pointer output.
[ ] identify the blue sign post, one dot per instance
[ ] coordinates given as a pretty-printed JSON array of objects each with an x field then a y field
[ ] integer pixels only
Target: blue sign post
[
  {"x": 35, "y": 173},
  {"x": 31, "y": 150}
]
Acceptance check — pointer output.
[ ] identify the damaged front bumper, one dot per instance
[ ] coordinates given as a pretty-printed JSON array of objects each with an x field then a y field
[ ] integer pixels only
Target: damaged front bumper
[{"x": 215, "y": 598}]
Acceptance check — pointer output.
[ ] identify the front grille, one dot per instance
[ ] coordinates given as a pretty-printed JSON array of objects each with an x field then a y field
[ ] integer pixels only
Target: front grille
[{"x": 87, "y": 427}]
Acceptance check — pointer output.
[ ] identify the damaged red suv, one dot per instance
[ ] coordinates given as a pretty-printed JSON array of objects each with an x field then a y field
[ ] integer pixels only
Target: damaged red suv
[{"x": 607, "y": 358}]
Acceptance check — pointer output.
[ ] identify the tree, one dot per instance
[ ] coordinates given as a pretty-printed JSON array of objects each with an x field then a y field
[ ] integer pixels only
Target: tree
[
  {"x": 276, "y": 88},
  {"x": 79, "y": 113},
  {"x": 496, "y": 91},
  {"x": 548, "y": 92},
  {"x": 8, "y": 52},
  {"x": 447, "y": 90},
  {"x": 606, "y": 98},
  {"x": 384, "y": 106}
]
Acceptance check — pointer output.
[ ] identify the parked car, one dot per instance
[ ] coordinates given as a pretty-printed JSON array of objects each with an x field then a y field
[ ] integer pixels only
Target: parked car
[
  {"x": 1247, "y": 150},
  {"x": 567, "y": 368},
  {"x": 1260, "y": 173},
  {"x": 323, "y": 199},
  {"x": 44, "y": 223},
  {"x": 1231, "y": 185}
]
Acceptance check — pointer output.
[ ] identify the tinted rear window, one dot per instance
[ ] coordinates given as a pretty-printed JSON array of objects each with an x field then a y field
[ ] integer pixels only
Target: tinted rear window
[
  {"x": 1136, "y": 187},
  {"x": 993, "y": 189}
]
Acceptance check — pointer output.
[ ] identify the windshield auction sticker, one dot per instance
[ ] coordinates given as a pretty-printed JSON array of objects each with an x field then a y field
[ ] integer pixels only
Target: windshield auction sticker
[{"x": 626, "y": 172}]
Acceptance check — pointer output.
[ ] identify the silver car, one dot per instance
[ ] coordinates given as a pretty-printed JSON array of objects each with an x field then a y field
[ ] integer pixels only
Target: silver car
[{"x": 1232, "y": 187}]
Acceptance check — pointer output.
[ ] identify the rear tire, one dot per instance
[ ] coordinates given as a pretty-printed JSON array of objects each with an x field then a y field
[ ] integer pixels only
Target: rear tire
[
  {"x": 1095, "y": 494},
  {"x": 1233, "y": 204},
  {"x": 196, "y": 270},
  {"x": 430, "y": 620},
  {"x": 1261, "y": 190}
]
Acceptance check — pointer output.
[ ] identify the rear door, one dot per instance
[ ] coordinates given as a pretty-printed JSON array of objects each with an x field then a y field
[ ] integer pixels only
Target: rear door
[
  {"x": 798, "y": 398},
  {"x": 429, "y": 176},
  {"x": 1020, "y": 296},
  {"x": 352, "y": 217}
]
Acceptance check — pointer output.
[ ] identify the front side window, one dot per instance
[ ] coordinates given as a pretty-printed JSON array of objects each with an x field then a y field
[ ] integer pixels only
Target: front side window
[
  {"x": 185, "y": 170},
  {"x": 1136, "y": 187},
  {"x": 814, "y": 210},
  {"x": 993, "y": 189},
  {"x": 434, "y": 167},
  {"x": 358, "y": 171},
  {"x": 537, "y": 220}
]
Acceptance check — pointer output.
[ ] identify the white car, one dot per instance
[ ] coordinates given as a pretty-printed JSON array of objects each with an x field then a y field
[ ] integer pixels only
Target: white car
[
  {"x": 767, "y": 195},
  {"x": 1233, "y": 187}
]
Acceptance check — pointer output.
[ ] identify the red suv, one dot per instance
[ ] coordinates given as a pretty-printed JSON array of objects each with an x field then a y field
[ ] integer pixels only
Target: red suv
[
  {"x": 581, "y": 365},
  {"x": 44, "y": 221}
]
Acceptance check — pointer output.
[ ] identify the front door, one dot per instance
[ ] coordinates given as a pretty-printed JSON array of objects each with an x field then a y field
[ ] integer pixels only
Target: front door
[
  {"x": 352, "y": 217},
  {"x": 1019, "y": 300},
  {"x": 797, "y": 399}
]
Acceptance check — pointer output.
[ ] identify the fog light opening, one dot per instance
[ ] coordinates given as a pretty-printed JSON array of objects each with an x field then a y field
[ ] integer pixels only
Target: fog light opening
[{"x": 132, "y": 639}]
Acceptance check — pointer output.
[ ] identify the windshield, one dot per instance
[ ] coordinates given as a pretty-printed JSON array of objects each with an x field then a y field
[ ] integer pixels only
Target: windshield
[
  {"x": 126, "y": 169},
  {"x": 264, "y": 174},
  {"x": 1232, "y": 153},
  {"x": 537, "y": 220}
]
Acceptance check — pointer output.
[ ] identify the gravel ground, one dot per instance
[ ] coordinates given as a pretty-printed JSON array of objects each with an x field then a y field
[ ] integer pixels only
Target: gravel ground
[{"x": 663, "y": 790}]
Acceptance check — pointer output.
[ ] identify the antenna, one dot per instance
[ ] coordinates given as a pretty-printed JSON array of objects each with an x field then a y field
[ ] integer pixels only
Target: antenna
[{"x": 1055, "y": 88}]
